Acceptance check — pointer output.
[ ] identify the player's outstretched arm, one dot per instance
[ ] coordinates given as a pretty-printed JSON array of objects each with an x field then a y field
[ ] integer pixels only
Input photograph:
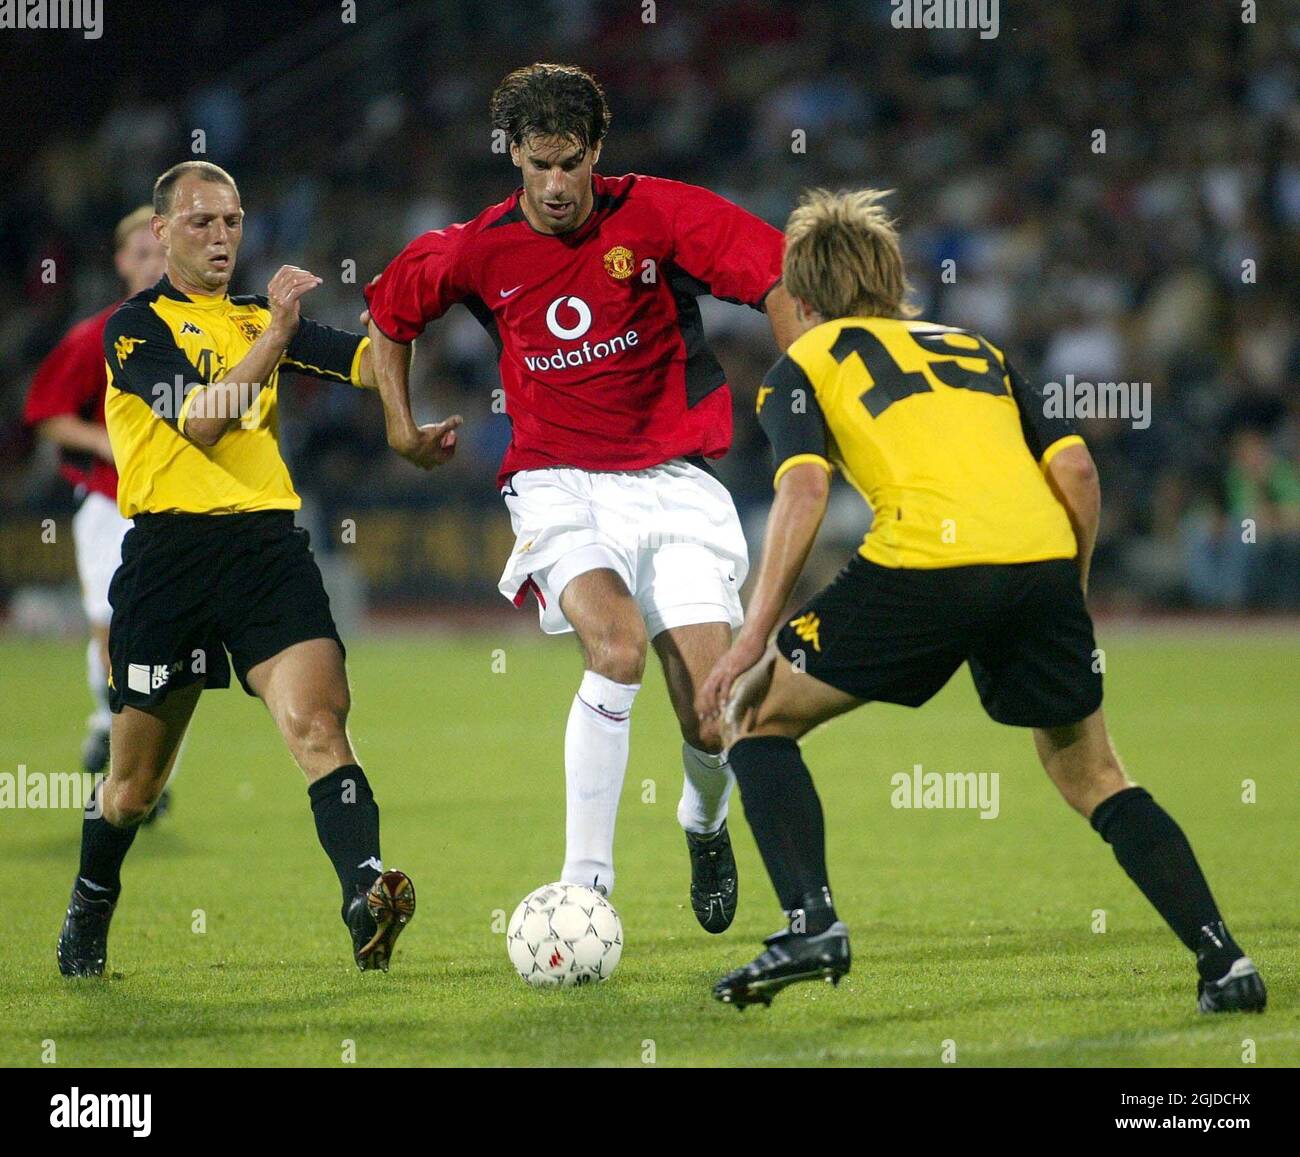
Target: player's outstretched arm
[
  {"x": 426, "y": 446},
  {"x": 1072, "y": 475},
  {"x": 792, "y": 526}
]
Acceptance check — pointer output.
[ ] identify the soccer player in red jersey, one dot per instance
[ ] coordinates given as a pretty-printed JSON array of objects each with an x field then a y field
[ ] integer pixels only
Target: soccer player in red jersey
[
  {"x": 65, "y": 405},
  {"x": 588, "y": 285}
]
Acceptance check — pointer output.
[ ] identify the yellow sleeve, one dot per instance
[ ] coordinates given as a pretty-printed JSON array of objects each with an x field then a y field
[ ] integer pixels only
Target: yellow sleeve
[
  {"x": 798, "y": 460},
  {"x": 1056, "y": 447},
  {"x": 355, "y": 373},
  {"x": 185, "y": 408}
]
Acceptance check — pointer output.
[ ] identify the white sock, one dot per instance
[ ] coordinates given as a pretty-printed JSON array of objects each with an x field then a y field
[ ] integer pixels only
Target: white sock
[
  {"x": 97, "y": 679},
  {"x": 705, "y": 790},
  {"x": 595, "y": 760}
]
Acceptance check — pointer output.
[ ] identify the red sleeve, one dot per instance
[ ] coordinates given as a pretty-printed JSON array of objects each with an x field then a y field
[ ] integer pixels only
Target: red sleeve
[
  {"x": 420, "y": 284},
  {"x": 735, "y": 254},
  {"x": 72, "y": 375}
]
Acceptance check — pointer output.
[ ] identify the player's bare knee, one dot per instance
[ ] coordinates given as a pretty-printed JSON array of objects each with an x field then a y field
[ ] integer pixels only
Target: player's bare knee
[
  {"x": 125, "y": 815},
  {"x": 316, "y": 729},
  {"x": 620, "y": 658},
  {"x": 128, "y": 804}
]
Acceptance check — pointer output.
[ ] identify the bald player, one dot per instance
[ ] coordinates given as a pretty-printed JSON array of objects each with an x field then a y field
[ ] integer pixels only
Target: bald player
[{"x": 214, "y": 562}]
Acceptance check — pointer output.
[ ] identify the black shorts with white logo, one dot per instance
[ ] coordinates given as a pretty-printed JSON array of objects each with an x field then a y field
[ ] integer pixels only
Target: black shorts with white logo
[
  {"x": 896, "y": 635},
  {"x": 192, "y": 586}
]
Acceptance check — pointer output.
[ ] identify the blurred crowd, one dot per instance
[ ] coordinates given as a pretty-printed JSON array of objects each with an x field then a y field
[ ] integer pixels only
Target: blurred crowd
[{"x": 1106, "y": 190}]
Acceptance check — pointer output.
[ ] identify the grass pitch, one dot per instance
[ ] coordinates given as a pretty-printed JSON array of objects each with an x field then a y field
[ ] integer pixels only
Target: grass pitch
[{"x": 966, "y": 930}]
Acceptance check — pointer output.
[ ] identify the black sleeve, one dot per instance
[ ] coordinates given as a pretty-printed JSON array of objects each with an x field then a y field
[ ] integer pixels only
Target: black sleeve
[
  {"x": 322, "y": 351},
  {"x": 1038, "y": 421},
  {"x": 144, "y": 359},
  {"x": 789, "y": 413}
]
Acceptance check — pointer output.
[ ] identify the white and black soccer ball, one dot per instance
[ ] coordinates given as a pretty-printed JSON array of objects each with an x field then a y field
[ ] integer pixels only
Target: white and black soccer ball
[{"x": 563, "y": 935}]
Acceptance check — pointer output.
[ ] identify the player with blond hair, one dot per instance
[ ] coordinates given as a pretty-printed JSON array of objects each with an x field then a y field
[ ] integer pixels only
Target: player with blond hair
[{"x": 984, "y": 516}]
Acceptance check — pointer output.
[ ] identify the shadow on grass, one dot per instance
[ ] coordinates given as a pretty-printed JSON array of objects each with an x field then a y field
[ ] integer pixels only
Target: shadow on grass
[{"x": 66, "y": 846}]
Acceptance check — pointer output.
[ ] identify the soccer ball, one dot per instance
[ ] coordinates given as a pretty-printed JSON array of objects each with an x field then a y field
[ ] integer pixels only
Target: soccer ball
[{"x": 563, "y": 935}]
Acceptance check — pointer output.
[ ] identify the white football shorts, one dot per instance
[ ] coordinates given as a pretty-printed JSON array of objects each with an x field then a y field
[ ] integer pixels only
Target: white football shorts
[
  {"x": 671, "y": 533},
  {"x": 97, "y": 532}
]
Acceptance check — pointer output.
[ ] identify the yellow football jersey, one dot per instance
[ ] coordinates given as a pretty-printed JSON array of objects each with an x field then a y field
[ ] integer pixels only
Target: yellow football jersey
[
  {"x": 161, "y": 346},
  {"x": 941, "y": 436}
]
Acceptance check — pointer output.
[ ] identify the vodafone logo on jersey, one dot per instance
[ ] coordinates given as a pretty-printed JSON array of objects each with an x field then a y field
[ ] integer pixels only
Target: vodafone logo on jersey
[
  {"x": 574, "y": 307},
  {"x": 569, "y": 318}
]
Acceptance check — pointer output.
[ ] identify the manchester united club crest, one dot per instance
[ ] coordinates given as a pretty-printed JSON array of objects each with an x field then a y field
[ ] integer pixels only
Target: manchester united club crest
[
  {"x": 248, "y": 327},
  {"x": 618, "y": 263}
]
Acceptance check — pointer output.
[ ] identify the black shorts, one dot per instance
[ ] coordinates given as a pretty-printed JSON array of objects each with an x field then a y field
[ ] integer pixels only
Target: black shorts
[
  {"x": 896, "y": 635},
  {"x": 192, "y": 586}
]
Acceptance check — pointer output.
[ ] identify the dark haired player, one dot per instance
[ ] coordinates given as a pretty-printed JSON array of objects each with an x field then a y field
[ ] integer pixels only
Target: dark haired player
[
  {"x": 214, "y": 561},
  {"x": 985, "y": 514},
  {"x": 588, "y": 286}
]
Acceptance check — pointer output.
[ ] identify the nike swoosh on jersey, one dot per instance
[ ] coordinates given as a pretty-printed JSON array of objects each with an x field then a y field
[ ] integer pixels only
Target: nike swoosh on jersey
[{"x": 508, "y": 292}]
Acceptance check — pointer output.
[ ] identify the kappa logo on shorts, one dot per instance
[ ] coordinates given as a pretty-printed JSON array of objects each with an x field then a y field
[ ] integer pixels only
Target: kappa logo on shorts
[{"x": 808, "y": 628}]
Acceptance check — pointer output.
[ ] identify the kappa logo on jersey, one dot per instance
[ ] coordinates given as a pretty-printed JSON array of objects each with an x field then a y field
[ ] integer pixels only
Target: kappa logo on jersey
[
  {"x": 190, "y": 327},
  {"x": 568, "y": 308},
  {"x": 124, "y": 347},
  {"x": 618, "y": 263}
]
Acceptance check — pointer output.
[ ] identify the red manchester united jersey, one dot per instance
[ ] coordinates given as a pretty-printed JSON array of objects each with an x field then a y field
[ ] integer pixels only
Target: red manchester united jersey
[
  {"x": 72, "y": 380},
  {"x": 601, "y": 349}
]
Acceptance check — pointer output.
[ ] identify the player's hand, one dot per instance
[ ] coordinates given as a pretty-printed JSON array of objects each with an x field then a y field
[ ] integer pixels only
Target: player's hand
[
  {"x": 428, "y": 446},
  {"x": 747, "y": 695},
  {"x": 364, "y": 319},
  {"x": 283, "y": 293},
  {"x": 713, "y": 694}
]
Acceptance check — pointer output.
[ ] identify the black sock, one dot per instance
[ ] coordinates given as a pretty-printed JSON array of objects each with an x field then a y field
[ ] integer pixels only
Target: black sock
[
  {"x": 347, "y": 824},
  {"x": 1152, "y": 849},
  {"x": 103, "y": 848},
  {"x": 785, "y": 816}
]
